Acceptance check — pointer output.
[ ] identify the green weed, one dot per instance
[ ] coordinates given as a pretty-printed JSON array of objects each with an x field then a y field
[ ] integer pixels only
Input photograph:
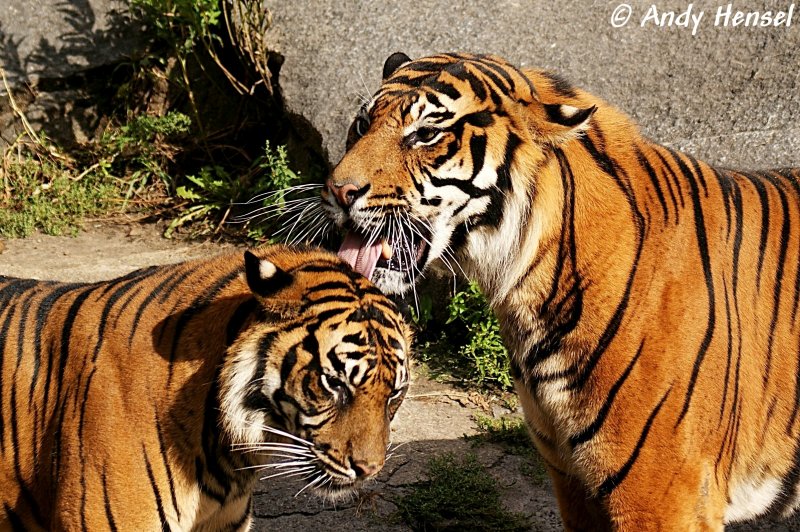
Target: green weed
[
  {"x": 459, "y": 495},
  {"x": 46, "y": 196},
  {"x": 468, "y": 344}
]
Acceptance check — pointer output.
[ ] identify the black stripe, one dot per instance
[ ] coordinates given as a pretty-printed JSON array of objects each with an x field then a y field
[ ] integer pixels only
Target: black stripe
[
  {"x": 560, "y": 85},
  {"x": 796, "y": 297},
  {"x": 500, "y": 83},
  {"x": 654, "y": 180},
  {"x": 445, "y": 88},
  {"x": 729, "y": 352},
  {"x": 112, "y": 524},
  {"x": 207, "y": 490},
  {"x": 10, "y": 310},
  {"x": 174, "y": 277},
  {"x": 238, "y": 320},
  {"x": 764, "y": 200},
  {"x": 669, "y": 172},
  {"x": 121, "y": 290},
  {"x": 198, "y": 305},
  {"x": 590, "y": 430},
  {"x": 81, "y": 424},
  {"x": 163, "y": 450},
  {"x": 159, "y": 505},
  {"x": 613, "y": 481},
  {"x": 66, "y": 335},
  {"x": 42, "y": 317},
  {"x": 459, "y": 71},
  {"x": 16, "y": 522},
  {"x": 211, "y": 438},
  {"x": 493, "y": 214},
  {"x": 702, "y": 244},
  {"x": 502, "y": 71},
  {"x": 605, "y": 162},
  {"x": 564, "y": 315}
]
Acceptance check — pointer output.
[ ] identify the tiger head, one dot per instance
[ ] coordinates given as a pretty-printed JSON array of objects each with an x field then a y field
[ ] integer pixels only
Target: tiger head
[
  {"x": 441, "y": 166},
  {"x": 323, "y": 369}
]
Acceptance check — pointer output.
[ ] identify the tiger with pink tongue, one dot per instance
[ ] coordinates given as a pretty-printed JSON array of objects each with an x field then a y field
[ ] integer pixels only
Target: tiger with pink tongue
[
  {"x": 649, "y": 301},
  {"x": 389, "y": 251}
]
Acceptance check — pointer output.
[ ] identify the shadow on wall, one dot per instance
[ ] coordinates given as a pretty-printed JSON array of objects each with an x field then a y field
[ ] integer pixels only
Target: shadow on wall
[
  {"x": 72, "y": 64},
  {"x": 60, "y": 57}
]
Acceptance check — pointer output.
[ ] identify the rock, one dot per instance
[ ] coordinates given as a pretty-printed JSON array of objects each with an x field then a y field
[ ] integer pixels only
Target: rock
[
  {"x": 728, "y": 95},
  {"x": 58, "y": 57}
]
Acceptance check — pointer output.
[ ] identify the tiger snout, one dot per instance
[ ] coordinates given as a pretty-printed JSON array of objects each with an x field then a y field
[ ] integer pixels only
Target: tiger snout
[{"x": 357, "y": 449}]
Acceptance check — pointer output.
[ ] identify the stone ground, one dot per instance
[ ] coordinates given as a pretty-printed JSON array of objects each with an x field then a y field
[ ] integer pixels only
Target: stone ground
[{"x": 433, "y": 419}]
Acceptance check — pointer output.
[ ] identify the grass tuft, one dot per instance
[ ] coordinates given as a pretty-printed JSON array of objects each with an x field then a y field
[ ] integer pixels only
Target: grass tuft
[{"x": 459, "y": 495}]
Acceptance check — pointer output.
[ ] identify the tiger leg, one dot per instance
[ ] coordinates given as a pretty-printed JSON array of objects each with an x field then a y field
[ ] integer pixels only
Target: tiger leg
[
  {"x": 657, "y": 497},
  {"x": 580, "y": 511}
]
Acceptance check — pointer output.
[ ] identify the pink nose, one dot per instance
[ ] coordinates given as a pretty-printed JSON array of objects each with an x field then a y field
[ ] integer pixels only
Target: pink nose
[
  {"x": 345, "y": 194},
  {"x": 364, "y": 469}
]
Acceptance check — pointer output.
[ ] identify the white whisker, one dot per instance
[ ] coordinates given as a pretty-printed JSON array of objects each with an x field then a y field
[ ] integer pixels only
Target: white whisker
[{"x": 286, "y": 474}]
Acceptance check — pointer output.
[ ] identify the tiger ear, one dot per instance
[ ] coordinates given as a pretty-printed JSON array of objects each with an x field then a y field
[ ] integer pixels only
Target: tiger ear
[
  {"x": 564, "y": 122},
  {"x": 263, "y": 277},
  {"x": 393, "y": 62}
]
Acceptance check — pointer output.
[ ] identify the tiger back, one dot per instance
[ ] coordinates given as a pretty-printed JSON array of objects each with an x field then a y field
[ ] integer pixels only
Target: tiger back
[
  {"x": 156, "y": 400},
  {"x": 649, "y": 300}
]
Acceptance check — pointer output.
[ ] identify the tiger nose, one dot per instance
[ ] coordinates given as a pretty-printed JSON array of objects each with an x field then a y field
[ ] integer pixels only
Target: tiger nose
[
  {"x": 346, "y": 194},
  {"x": 365, "y": 469}
]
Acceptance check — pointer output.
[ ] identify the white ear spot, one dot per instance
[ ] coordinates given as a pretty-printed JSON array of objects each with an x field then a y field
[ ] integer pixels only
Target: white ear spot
[
  {"x": 266, "y": 269},
  {"x": 568, "y": 111}
]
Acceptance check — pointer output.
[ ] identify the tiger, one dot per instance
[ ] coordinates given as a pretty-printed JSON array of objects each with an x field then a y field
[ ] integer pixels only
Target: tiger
[
  {"x": 155, "y": 401},
  {"x": 648, "y": 300}
]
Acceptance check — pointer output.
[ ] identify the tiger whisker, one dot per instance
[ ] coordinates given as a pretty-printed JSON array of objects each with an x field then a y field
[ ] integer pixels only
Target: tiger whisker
[
  {"x": 312, "y": 483},
  {"x": 294, "y": 225},
  {"x": 277, "y": 455},
  {"x": 286, "y": 474},
  {"x": 293, "y": 465},
  {"x": 294, "y": 453},
  {"x": 289, "y": 190},
  {"x": 272, "y": 211},
  {"x": 284, "y": 465},
  {"x": 314, "y": 225}
]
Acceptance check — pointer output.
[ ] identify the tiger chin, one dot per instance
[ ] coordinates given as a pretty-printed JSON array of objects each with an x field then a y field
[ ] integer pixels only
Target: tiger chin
[
  {"x": 649, "y": 301},
  {"x": 156, "y": 401}
]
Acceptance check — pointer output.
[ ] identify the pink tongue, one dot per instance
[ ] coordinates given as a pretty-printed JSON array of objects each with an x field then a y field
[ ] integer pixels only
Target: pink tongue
[{"x": 361, "y": 257}]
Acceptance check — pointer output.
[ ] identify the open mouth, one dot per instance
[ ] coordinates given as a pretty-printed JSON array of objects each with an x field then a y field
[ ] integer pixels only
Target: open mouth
[{"x": 406, "y": 254}]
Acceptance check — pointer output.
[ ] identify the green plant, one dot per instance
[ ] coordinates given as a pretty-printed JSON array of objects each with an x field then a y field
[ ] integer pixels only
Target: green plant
[
  {"x": 142, "y": 150},
  {"x": 180, "y": 25},
  {"x": 152, "y": 156},
  {"x": 215, "y": 190},
  {"x": 459, "y": 495},
  {"x": 44, "y": 194},
  {"x": 484, "y": 345}
]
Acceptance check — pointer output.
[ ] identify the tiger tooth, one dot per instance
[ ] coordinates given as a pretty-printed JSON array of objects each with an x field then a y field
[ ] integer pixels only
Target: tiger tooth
[{"x": 386, "y": 250}]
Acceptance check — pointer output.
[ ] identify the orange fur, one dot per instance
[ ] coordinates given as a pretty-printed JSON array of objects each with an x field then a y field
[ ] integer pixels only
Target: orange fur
[
  {"x": 134, "y": 404},
  {"x": 649, "y": 300}
]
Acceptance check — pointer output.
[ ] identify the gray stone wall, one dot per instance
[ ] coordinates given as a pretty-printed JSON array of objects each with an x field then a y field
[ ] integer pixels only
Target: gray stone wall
[
  {"x": 58, "y": 56},
  {"x": 730, "y": 95}
]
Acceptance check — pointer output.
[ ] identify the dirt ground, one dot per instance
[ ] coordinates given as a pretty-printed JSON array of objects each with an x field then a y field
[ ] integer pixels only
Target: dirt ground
[{"x": 433, "y": 420}]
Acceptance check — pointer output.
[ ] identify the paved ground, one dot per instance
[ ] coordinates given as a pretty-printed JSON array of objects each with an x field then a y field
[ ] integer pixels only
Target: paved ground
[{"x": 729, "y": 95}]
